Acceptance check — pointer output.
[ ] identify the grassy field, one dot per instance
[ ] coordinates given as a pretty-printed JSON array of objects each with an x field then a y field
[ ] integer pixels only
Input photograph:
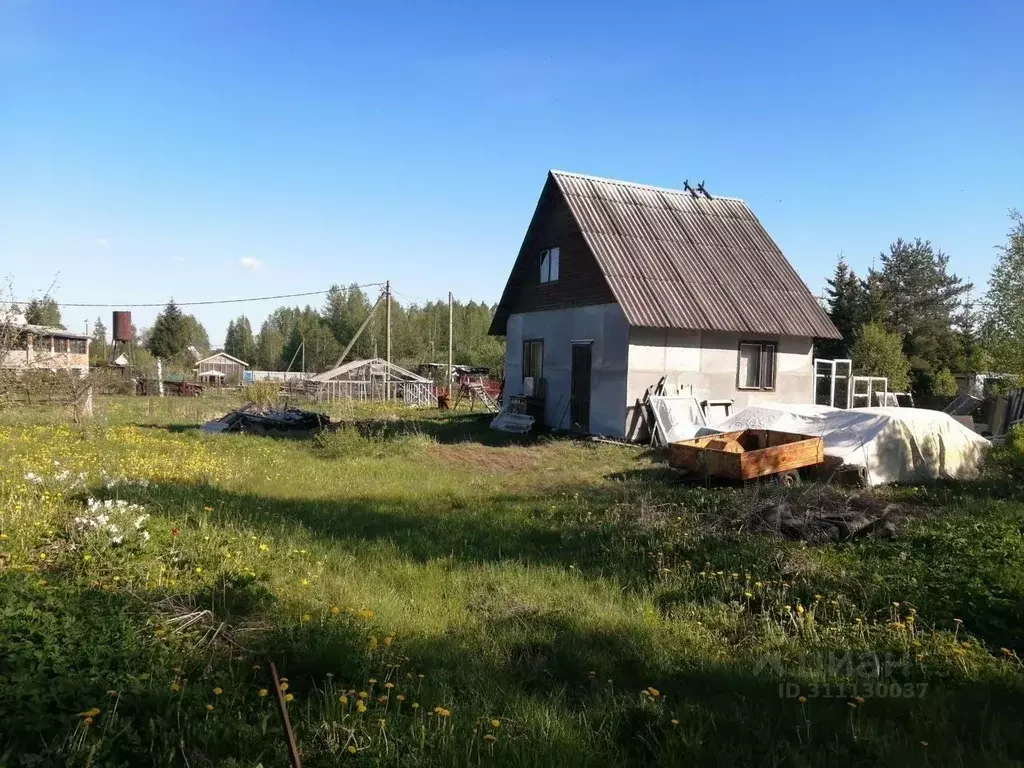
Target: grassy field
[{"x": 436, "y": 594}]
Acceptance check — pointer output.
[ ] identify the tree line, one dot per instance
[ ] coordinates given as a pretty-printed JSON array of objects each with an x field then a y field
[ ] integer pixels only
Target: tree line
[
  {"x": 913, "y": 321},
  {"x": 314, "y": 338}
]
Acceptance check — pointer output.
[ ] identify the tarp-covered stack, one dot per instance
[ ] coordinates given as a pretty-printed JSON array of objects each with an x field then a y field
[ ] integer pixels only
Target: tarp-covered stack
[{"x": 892, "y": 445}]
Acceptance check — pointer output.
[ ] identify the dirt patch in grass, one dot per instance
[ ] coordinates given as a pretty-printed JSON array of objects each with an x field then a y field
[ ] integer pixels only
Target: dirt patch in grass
[{"x": 492, "y": 460}]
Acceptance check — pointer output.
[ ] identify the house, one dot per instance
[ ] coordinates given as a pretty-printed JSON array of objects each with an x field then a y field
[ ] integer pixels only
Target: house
[
  {"x": 618, "y": 284},
  {"x": 46, "y": 348},
  {"x": 220, "y": 368}
]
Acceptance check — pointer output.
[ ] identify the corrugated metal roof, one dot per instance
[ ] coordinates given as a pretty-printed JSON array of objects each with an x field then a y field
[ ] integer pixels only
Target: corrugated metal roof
[{"x": 675, "y": 261}]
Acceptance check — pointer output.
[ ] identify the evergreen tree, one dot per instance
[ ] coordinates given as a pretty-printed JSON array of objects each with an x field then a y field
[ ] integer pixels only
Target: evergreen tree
[
  {"x": 1003, "y": 320},
  {"x": 169, "y": 334},
  {"x": 920, "y": 300},
  {"x": 846, "y": 304},
  {"x": 44, "y": 311},
  {"x": 270, "y": 347},
  {"x": 239, "y": 341}
]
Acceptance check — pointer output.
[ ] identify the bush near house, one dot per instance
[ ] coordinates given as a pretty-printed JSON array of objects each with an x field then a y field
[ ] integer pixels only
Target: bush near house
[{"x": 435, "y": 594}]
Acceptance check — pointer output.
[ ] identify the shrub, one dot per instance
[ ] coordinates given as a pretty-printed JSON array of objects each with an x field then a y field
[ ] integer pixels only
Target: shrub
[
  {"x": 262, "y": 392},
  {"x": 877, "y": 352}
]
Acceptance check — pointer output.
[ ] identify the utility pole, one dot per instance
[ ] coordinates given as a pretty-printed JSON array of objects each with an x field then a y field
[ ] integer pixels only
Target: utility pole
[
  {"x": 303, "y": 348},
  {"x": 387, "y": 374},
  {"x": 450, "y": 343}
]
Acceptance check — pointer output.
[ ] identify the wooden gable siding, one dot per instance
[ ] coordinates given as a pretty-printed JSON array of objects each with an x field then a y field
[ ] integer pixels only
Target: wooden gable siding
[{"x": 580, "y": 281}]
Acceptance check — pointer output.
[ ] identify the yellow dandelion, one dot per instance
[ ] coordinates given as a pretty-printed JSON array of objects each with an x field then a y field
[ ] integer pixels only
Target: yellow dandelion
[
  {"x": 389, "y": 685},
  {"x": 199, "y": 569},
  {"x": 92, "y": 712},
  {"x": 87, "y": 557},
  {"x": 209, "y": 707},
  {"x": 335, "y": 610},
  {"x": 175, "y": 687},
  {"x": 490, "y": 737},
  {"x": 306, "y": 617},
  {"x": 264, "y": 547},
  {"x": 748, "y": 594},
  {"x": 674, "y": 721},
  {"x": 343, "y": 700},
  {"x": 284, "y": 684},
  {"x": 799, "y": 608},
  {"x": 495, "y": 723},
  {"x": 372, "y": 681},
  {"x": 263, "y": 692},
  {"x": 87, "y": 721},
  {"x": 388, "y": 641},
  {"x": 415, "y": 705},
  {"x": 400, "y": 697},
  {"x": 363, "y": 695},
  {"x": 442, "y": 712},
  {"x": 352, "y": 750},
  {"x": 304, "y": 582},
  {"x": 218, "y": 691},
  {"x": 802, "y": 699},
  {"x": 654, "y": 692},
  {"x": 360, "y": 707},
  {"x": 207, "y": 509},
  {"x": 289, "y": 697}
]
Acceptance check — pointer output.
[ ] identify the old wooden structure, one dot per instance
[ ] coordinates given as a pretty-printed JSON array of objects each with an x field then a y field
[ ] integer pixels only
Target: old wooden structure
[
  {"x": 748, "y": 454},
  {"x": 220, "y": 369}
]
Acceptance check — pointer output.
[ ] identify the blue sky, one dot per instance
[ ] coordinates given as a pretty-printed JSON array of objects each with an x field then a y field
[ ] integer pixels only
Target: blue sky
[{"x": 147, "y": 149}]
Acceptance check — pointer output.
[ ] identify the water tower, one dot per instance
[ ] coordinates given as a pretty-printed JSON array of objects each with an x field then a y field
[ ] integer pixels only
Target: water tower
[{"x": 123, "y": 337}]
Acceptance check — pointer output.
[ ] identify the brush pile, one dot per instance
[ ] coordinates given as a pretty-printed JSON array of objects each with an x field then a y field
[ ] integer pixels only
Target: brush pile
[{"x": 267, "y": 420}]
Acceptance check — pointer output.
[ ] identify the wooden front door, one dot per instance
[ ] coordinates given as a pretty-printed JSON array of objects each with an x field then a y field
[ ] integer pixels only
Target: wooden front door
[{"x": 579, "y": 392}]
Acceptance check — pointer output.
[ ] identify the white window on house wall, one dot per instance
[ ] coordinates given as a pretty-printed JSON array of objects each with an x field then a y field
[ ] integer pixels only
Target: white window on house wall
[
  {"x": 549, "y": 265},
  {"x": 756, "y": 365}
]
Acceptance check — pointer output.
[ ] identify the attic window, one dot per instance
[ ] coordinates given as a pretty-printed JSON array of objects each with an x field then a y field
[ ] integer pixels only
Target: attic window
[{"x": 549, "y": 265}]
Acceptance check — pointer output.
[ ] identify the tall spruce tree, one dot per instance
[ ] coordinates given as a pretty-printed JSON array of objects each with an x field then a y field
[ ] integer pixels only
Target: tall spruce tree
[
  {"x": 846, "y": 302},
  {"x": 169, "y": 334}
]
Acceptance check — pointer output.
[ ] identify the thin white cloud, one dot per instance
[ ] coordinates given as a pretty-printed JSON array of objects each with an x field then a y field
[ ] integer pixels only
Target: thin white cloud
[
  {"x": 250, "y": 263},
  {"x": 101, "y": 242}
]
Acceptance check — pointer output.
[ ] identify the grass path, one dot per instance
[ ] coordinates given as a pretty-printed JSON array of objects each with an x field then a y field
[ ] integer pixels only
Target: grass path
[{"x": 439, "y": 595}]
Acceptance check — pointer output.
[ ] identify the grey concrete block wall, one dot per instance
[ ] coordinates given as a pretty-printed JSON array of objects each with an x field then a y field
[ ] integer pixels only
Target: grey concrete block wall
[
  {"x": 709, "y": 361},
  {"x": 626, "y": 361},
  {"x": 605, "y": 327}
]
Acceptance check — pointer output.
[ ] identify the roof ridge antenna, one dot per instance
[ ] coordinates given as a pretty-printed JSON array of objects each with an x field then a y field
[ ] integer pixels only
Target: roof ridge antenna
[
  {"x": 707, "y": 194},
  {"x": 688, "y": 188}
]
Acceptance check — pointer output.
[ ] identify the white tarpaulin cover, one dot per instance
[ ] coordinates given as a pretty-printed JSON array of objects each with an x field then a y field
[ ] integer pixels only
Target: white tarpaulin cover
[{"x": 904, "y": 445}]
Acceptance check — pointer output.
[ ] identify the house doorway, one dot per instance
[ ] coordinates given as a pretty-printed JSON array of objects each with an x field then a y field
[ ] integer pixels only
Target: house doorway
[{"x": 579, "y": 388}]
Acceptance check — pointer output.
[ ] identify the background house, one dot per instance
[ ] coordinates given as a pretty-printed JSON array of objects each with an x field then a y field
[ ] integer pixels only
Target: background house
[
  {"x": 220, "y": 368},
  {"x": 44, "y": 348},
  {"x": 618, "y": 284}
]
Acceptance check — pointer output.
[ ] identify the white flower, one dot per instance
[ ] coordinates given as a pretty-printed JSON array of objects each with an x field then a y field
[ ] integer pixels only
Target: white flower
[
  {"x": 140, "y": 521},
  {"x": 145, "y": 535}
]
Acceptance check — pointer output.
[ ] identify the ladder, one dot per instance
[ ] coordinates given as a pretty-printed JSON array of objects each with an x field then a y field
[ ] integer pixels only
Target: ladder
[{"x": 475, "y": 390}]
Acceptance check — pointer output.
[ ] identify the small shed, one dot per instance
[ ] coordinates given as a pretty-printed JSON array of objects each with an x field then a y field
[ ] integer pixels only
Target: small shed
[
  {"x": 373, "y": 379},
  {"x": 220, "y": 368}
]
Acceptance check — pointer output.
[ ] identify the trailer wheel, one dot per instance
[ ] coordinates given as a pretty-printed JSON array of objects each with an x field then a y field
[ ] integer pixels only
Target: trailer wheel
[{"x": 789, "y": 479}]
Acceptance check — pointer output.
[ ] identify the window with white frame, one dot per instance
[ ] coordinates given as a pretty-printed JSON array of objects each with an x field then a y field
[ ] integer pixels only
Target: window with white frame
[
  {"x": 756, "y": 369},
  {"x": 549, "y": 265}
]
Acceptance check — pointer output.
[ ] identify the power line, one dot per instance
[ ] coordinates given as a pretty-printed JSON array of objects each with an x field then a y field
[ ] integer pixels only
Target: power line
[{"x": 183, "y": 303}]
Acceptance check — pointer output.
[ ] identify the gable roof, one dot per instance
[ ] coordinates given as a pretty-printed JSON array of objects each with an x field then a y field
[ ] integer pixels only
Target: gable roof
[
  {"x": 675, "y": 261},
  {"x": 221, "y": 354},
  {"x": 377, "y": 367}
]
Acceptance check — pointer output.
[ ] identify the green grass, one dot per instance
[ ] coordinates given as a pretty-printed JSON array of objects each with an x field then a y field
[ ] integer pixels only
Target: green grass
[{"x": 544, "y": 584}]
